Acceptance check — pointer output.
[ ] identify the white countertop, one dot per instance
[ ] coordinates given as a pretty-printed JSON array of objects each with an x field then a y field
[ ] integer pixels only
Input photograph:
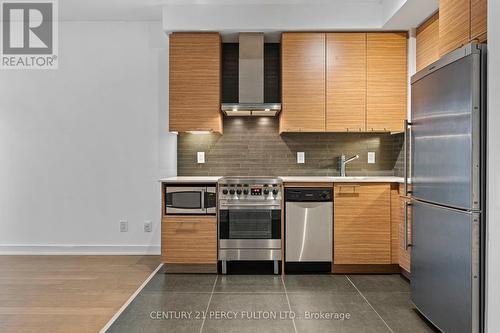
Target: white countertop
[
  {"x": 363, "y": 179},
  {"x": 292, "y": 179},
  {"x": 191, "y": 179}
]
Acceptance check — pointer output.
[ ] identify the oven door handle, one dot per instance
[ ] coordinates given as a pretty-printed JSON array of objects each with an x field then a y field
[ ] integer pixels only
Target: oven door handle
[{"x": 243, "y": 206}]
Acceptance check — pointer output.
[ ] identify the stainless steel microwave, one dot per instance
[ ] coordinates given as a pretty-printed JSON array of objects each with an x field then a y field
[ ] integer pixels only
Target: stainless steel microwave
[{"x": 190, "y": 200}]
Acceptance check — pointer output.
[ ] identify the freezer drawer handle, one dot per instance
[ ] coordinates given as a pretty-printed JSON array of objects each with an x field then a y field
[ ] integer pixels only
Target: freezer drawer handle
[{"x": 407, "y": 243}]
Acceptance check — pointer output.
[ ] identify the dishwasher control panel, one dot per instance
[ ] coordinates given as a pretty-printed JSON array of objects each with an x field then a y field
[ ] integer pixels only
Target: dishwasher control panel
[{"x": 308, "y": 194}]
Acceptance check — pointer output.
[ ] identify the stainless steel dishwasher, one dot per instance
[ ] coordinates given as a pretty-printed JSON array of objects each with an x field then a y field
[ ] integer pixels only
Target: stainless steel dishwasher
[{"x": 308, "y": 229}]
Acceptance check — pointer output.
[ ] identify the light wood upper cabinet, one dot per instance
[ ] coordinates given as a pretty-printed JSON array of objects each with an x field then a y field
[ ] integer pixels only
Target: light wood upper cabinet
[
  {"x": 195, "y": 82},
  {"x": 478, "y": 24},
  {"x": 428, "y": 42},
  {"x": 362, "y": 223},
  {"x": 387, "y": 81},
  {"x": 303, "y": 82},
  {"x": 346, "y": 82},
  {"x": 454, "y": 24}
]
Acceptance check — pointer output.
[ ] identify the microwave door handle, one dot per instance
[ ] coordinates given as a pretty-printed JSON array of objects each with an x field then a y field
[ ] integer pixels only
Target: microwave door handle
[{"x": 203, "y": 191}]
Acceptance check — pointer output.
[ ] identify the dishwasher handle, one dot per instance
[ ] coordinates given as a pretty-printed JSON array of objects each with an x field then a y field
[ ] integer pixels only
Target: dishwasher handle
[{"x": 308, "y": 195}]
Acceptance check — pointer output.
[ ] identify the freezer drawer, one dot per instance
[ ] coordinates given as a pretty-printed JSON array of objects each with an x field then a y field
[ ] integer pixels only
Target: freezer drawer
[
  {"x": 309, "y": 231},
  {"x": 445, "y": 158},
  {"x": 445, "y": 266}
]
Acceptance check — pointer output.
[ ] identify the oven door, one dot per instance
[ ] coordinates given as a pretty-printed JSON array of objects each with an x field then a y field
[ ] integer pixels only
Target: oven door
[
  {"x": 250, "y": 228},
  {"x": 185, "y": 200}
]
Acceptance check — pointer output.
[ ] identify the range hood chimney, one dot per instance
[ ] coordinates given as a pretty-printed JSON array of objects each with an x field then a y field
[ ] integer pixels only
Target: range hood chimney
[{"x": 251, "y": 80}]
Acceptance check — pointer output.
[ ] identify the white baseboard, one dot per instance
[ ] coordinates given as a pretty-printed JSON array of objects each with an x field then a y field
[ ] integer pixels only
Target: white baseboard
[{"x": 65, "y": 249}]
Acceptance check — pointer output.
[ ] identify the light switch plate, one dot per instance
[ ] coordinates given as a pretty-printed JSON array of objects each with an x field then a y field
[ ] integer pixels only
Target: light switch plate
[
  {"x": 200, "y": 157},
  {"x": 301, "y": 157},
  {"x": 123, "y": 226},
  {"x": 371, "y": 157}
]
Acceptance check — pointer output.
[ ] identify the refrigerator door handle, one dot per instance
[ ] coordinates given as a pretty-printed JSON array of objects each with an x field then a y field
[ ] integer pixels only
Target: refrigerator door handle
[
  {"x": 407, "y": 125},
  {"x": 408, "y": 243}
]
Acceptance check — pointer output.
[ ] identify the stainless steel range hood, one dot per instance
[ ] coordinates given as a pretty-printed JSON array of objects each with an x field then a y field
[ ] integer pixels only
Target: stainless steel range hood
[{"x": 251, "y": 80}]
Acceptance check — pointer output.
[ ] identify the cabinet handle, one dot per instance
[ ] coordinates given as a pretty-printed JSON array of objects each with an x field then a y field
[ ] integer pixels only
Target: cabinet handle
[
  {"x": 407, "y": 243},
  {"x": 353, "y": 187}
]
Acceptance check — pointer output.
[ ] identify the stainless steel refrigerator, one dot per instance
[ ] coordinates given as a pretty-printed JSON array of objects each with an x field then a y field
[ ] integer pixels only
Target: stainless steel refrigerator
[{"x": 447, "y": 169}]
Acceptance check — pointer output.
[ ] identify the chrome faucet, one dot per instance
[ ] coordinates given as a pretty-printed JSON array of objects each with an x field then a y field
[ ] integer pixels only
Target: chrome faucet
[{"x": 343, "y": 161}]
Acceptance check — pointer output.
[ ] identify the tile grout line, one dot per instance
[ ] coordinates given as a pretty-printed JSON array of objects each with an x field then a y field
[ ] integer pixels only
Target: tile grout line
[
  {"x": 130, "y": 299},
  {"x": 371, "y": 306},
  {"x": 289, "y": 306},
  {"x": 208, "y": 305}
]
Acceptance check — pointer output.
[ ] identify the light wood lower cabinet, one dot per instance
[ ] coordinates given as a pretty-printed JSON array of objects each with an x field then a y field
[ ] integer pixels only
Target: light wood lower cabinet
[
  {"x": 189, "y": 239},
  {"x": 362, "y": 223},
  {"x": 404, "y": 252}
]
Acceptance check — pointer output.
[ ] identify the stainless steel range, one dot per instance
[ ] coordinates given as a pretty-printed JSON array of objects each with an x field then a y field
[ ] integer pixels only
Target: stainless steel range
[{"x": 250, "y": 220}]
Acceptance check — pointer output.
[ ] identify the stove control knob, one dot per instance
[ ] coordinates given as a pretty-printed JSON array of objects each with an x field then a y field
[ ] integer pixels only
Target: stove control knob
[
  {"x": 224, "y": 191},
  {"x": 238, "y": 191},
  {"x": 266, "y": 191},
  {"x": 231, "y": 191},
  {"x": 324, "y": 195},
  {"x": 275, "y": 192},
  {"x": 245, "y": 191}
]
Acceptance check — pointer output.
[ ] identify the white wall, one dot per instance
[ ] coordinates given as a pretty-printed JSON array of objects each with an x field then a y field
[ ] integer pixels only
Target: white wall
[
  {"x": 493, "y": 251},
  {"x": 82, "y": 147}
]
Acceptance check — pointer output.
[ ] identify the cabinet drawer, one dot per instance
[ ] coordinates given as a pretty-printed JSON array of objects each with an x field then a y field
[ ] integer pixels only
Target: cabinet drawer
[
  {"x": 189, "y": 239},
  {"x": 362, "y": 224}
]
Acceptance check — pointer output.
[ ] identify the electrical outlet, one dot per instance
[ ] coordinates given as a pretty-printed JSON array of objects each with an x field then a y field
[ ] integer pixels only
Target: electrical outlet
[
  {"x": 301, "y": 157},
  {"x": 371, "y": 157},
  {"x": 148, "y": 226},
  {"x": 123, "y": 226},
  {"x": 200, "y": 157}
]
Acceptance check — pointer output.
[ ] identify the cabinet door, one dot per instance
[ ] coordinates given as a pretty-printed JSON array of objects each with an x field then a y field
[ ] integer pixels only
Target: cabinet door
[
  {"x": 303, "y": 82},
  {"x": 194, "y": 90},
  {"x": 404, "y": 253},
  {"x": 395, "y": 221},
  {"x": 478, "y": 24},
  {"x": 428, "y": 42},
  {"x": 189, "y": 239},
  {"x": 346, "y": 82},
  {"x": 454, "y": 24},
  {"x": 362, "y": 224},
  {"x": 387, "y": 81}
]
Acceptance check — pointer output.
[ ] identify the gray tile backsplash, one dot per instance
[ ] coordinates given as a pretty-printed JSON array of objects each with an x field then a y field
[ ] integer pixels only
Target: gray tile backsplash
[{"x": 253, "y": 147}]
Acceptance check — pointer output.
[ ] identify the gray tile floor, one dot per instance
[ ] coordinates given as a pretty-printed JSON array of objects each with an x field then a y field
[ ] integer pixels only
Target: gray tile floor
[{"x": 267, "y": 303}]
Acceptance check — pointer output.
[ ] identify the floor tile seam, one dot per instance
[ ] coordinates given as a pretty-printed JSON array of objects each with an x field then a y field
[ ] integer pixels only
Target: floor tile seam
[
  {"x": 289, "y": 305},
  {"x": 371, "y": 306},
  {"x": 208, "y": 304}
]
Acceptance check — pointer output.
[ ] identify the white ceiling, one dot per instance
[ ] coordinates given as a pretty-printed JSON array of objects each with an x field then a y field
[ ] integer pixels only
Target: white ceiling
[
  {"x": 363, "y": 13},
  {"x": 151, "y": 10}
]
